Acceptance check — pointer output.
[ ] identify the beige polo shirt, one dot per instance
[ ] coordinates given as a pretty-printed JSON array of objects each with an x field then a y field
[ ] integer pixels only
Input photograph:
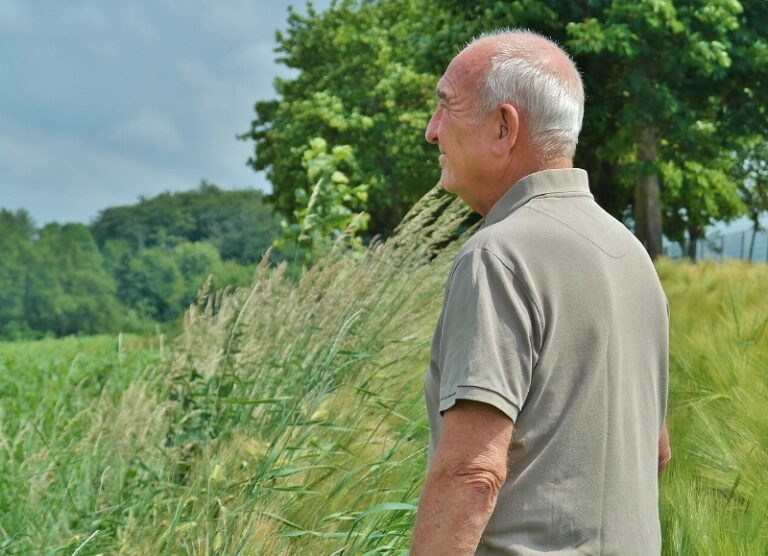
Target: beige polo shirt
[{"x": 554, "y": 314}]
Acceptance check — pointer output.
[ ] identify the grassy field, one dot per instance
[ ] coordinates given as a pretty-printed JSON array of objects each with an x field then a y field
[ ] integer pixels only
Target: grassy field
[
  {"x": 55, "y": 396},
  {"x": 288, "y": 418},
  {"x": 715, "y": 496}
]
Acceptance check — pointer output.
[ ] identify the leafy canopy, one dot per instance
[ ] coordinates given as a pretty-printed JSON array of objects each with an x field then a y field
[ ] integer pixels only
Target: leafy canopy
[{"x": 672, "y": 88}]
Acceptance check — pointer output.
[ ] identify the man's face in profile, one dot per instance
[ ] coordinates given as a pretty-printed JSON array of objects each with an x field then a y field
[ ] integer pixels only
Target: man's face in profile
[{"x": 455, "y": 129}]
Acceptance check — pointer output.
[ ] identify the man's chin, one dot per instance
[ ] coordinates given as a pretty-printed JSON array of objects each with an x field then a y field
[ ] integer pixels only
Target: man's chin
[
  {"x": 451, "y": 187},
  {"x": 447, "y": 184}
]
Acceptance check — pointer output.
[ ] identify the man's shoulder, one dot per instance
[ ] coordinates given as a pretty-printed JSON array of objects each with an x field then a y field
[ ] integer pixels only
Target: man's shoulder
[
  {"x": 507, "y": 239},
  {"x": 556, "y": 236},
  {"x": 574, "y": 225}
]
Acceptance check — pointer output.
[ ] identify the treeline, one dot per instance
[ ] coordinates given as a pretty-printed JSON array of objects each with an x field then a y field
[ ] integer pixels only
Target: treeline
[{"x": 132, "y": 267}]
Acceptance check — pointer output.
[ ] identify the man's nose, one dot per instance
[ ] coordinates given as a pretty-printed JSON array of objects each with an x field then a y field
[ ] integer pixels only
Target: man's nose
[{"x": 431, "y": 132}]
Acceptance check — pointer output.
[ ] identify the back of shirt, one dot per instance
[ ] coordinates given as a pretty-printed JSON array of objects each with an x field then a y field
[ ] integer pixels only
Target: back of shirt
[{"x": 555, "y": 315}]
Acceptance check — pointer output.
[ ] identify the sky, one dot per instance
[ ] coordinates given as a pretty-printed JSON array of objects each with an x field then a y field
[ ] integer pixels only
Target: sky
[{"x": 104, "y": 102}]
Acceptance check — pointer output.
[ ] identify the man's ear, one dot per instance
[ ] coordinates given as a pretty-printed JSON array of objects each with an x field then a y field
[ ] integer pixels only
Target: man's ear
[{"x": 508, "y": 126}]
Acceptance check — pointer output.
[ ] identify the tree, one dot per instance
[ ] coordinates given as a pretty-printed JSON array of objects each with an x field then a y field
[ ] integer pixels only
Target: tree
[
  {"x": 239, "y": 223},
  {"x": 696, "y": 196},
  {"x": 750, "y": 171},
  {"x": 670, "y": 63},
  {"x": 356, "y": 86},
  {"x": 152, "y": 283},
  {"x": 17, "y": 233},
  {"x": 69, "y": 290},
  {"x": 656, "y": 73},
  {"x": 58, "y": 280},
  {"x": 195, "y": 261}
]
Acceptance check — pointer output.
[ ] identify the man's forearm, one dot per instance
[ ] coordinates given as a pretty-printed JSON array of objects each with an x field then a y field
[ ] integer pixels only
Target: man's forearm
[{"x": 453, "y": 511}]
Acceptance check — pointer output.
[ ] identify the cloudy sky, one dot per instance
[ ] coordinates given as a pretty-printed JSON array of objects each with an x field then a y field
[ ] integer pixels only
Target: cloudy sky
[{"x": 101, "y": 102}]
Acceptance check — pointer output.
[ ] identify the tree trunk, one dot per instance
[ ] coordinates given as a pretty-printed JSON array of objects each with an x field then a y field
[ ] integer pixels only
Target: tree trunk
[
  {"x": 755, "y": 229},
  {"x": 648, "y": 193},
  {"x": 694, "y": 234}
]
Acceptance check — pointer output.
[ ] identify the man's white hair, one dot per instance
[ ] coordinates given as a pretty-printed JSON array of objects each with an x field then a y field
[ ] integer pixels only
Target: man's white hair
[{"x": 549, "y": 98}]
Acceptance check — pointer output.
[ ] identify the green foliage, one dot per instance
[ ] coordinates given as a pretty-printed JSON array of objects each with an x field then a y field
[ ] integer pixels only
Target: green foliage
[
  {"x": 750, "y": 171},
  {"x": 148, "y": 265},
  {"x": 199, "y": 262},
  {"x": 357, "y": 85},
  {"x": 661, "y": 69},
  {"x": 68, "y": 290},
  {"x": 17, "y": 233},
  {"x": 698, "y": 195},
  {"x": 238, "y": 223},
  {"x": 326, "y": 215},
  {"x": 195, "y": 261},
  {"x": 52, "y": 280},
  {"x": 153, "y": 284},
  {"x": 657, "y": 73},
  {"x": 704, "y": 195},
  {"x": 671, "y": 86}
]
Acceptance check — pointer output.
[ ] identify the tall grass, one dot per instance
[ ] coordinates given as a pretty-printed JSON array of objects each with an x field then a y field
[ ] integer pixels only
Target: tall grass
[
  {"x": 715, "y": 496},
  {"x": 64, "y": 462},
  {"x": 289, "y": 418}
]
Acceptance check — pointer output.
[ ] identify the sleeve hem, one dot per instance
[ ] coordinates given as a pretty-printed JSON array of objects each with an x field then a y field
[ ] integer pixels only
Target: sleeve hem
[{"x": 479, "y": 394}]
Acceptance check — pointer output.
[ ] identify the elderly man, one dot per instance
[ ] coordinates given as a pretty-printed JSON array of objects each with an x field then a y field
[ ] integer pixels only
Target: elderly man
[{"x": 553, "y": 331}]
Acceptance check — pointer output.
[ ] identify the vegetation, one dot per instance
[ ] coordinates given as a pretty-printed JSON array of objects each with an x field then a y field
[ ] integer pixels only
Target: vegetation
[
  {"x": 714, "y": 499},
  {"x": 325, "y": 215},
  {"x": 134, "y": 266},
  {"x": 55, "y": 398},
  {"x": 239, "y": 224},
  {"x": 357, "y": 85},
  {"x": 673, "y": 90},
  {"x": 53, "y": 280},
  {"x": 288, "y": 417},
  {"x": 751, "y": 173}
]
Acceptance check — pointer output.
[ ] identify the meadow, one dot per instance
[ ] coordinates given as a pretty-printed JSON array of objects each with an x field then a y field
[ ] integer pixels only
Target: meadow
[{"x": 288, "y": 418}]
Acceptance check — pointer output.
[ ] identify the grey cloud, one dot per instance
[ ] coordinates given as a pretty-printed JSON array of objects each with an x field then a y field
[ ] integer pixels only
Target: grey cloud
[
  {"x": 74, "y": 178},
  {"x": 153, "y": 130},
  {"x": 103, "y": 102}
]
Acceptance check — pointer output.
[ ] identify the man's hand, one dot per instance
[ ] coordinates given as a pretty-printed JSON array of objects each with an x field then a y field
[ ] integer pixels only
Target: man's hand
[
  {"x": 665, "y": 453},
  {"x": 462, "y": 484}
]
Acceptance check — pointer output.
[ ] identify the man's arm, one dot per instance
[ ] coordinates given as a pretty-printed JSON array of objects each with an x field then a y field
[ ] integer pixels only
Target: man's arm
[
  {"x": 462, "y": 484},
  {"x": 665, "y": 452}
]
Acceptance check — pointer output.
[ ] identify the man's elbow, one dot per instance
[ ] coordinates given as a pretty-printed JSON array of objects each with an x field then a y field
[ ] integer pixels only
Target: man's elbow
[
  {"x": 471, "y": 458},
  {"x": 664, "y": 458},
  {"x": 665, "y": 452},
  {"x": 485, "y": 481}
]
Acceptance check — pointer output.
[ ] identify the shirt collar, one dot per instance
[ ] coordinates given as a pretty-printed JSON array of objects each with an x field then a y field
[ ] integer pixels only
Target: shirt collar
[{"x": 560, "y": 181}]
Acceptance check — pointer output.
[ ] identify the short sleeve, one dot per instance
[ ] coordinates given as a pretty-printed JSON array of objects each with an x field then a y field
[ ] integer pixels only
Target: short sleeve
[{"x": 486, "y": 349}]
